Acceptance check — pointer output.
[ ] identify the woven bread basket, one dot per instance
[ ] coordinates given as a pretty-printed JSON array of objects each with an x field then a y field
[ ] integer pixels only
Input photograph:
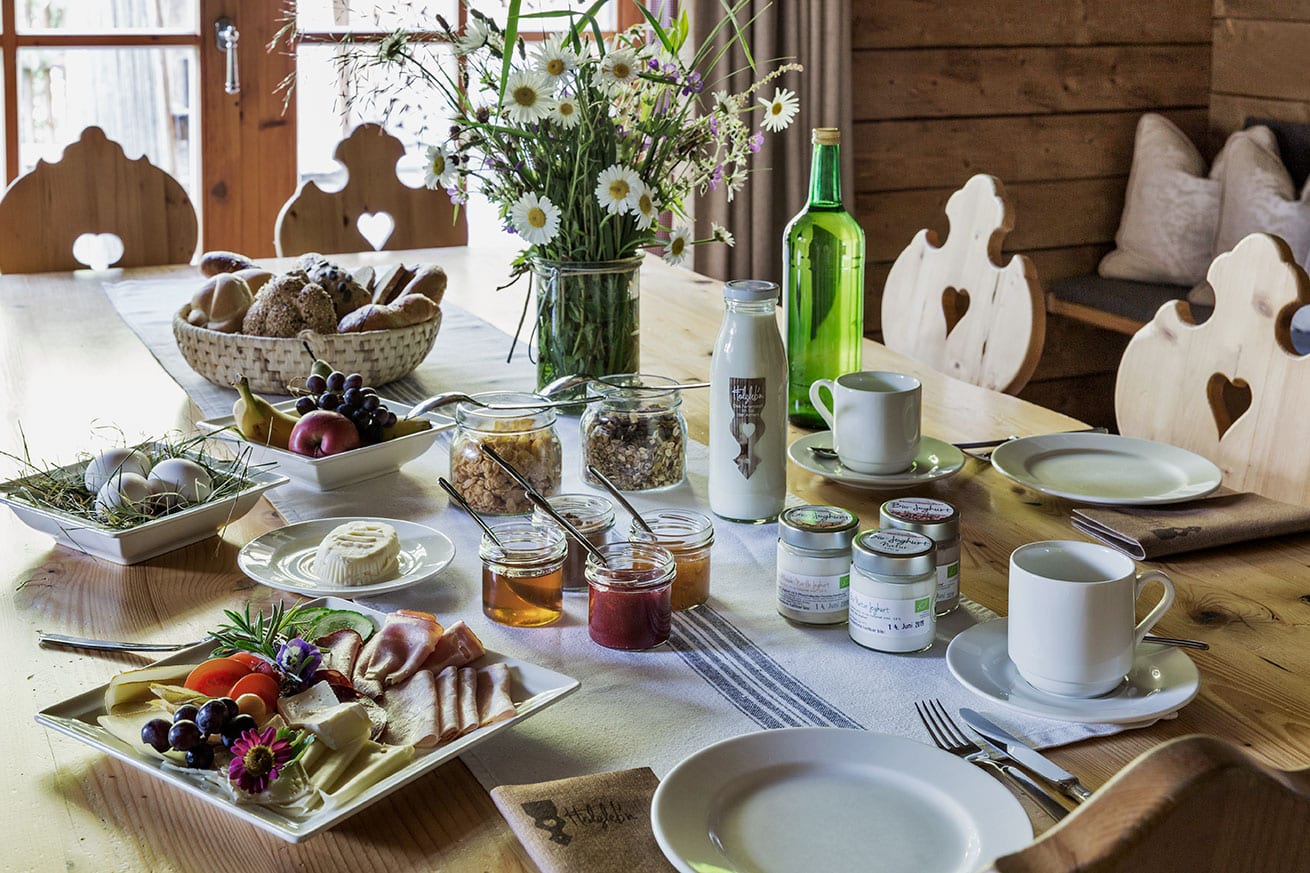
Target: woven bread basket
[{"x": 272, "y": 364}]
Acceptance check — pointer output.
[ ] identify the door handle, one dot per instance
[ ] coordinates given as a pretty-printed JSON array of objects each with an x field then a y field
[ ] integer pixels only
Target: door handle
[{"x": 225, "y": 38}]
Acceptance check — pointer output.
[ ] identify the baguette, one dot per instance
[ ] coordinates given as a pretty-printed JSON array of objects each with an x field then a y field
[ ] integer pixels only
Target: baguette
[
  {"x": 402, "y": 313},
  {"x": 429, "y": 281}
]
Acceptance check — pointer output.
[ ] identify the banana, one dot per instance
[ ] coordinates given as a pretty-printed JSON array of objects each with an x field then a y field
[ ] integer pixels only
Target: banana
[
  {"x": 258, "y": 421},
  {"x": 405, "y": 427}
]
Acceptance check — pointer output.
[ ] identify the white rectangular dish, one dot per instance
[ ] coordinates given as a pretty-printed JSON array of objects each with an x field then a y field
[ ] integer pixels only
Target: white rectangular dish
[
  {"x": 533, "y": 689},
  {"x": 144, "y": 541},
  {"x": 337, "y": 471}
]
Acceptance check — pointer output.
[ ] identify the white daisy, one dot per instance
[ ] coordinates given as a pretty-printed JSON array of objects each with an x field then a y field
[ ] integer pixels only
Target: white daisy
[
  {"x": 535, "y": 218},
  {"x": 726, "y": 103},
  {"x": 441, "y": 170},
  {"x": 554, "y": 57},
  {"x": 619, "y": 68},
  {"x": 476, "y": 35},
  {"x": 779, "y": 111},
  {"x": 617, "y": 189},
  {"x": 678, "y": 246},
  {"x": 645, "y": 209},
  {"x": 719, "y": 233},
  {"x": 566, "y": 113},
  {"x": 527, "y": 96}
]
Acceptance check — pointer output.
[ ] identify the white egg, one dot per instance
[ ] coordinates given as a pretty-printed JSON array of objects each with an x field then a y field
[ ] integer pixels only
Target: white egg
[
  {"x": 179, "y": 480},
  {"x": 126, "y": 492},
  {"x": 110, "y": 463}
]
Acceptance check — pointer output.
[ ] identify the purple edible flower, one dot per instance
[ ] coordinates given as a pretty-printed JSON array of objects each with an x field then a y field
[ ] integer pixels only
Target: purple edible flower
[
  {"x": 757, "y": 141},
  {"x": 258, "y": 759},
  {"x": 299, "y": 659}
]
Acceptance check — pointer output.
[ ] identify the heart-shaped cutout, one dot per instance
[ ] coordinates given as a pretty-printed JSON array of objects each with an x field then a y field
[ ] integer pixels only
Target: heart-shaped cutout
[
  {"x": 376, "y": 227},
  {"x": 955, "y": 303},
  {"x": 98, "y": 250},
  {"x": 1229, "y": 400}
]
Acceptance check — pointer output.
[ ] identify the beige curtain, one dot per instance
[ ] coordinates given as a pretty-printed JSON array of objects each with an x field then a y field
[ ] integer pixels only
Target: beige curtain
[{"x": 817, "y": 34}]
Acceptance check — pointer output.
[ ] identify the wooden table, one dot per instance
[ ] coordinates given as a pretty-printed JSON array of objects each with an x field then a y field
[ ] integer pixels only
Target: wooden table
[{"x": 69, "y": 363}]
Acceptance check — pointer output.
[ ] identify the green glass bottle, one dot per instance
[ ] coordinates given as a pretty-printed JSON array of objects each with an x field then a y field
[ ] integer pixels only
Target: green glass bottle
[{"x": 823, "y": 266}]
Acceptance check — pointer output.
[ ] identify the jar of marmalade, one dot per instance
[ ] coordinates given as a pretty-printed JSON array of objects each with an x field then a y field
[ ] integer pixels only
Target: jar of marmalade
[
  {"x": 688, "y": 536},
  {"x": 523, "y": 577},
  {"x": 629, "y": 604}
]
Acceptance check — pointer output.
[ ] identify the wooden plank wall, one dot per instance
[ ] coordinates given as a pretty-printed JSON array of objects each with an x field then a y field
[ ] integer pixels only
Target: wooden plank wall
[
  {"x": 1259, "y": 63},
  {"x": 1043, "y": 94}
]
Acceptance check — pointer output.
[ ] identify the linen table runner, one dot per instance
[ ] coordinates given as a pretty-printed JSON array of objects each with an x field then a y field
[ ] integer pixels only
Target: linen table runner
[{"x": 732, "y": 667}]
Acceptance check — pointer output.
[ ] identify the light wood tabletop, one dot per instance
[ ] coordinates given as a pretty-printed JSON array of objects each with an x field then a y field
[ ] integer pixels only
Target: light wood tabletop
[{"x": 70, "y": 364}]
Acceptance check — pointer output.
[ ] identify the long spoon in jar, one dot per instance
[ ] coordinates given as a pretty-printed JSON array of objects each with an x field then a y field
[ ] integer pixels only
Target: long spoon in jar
[
  {"x": 618, "y": 495},
  {"x": 464, "y": 505}
]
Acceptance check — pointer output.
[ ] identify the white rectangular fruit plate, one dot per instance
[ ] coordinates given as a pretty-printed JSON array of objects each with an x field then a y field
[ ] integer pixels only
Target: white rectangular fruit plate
[
  {"x": 346, "y": 468},
  {"x": 146, "y": 540},
  {"x": 533, "y": 689}
]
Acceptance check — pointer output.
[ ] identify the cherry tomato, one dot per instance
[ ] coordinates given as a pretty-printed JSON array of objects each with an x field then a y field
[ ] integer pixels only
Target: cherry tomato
[
  {"x": 250, "y": 659},
  {"x": 215, "y": 677},
  {"x": 261, "y": 684}
]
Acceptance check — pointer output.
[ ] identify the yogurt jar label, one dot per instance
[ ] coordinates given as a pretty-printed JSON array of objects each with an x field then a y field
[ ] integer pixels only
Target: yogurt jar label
[
  {"x": 919, "y": 509},
  {"x": 813, "y": 594},
  {"x": 892, "y": 625}
]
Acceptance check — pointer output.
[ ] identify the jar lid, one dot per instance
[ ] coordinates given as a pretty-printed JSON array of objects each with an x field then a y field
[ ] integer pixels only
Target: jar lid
[
  {"x": 817, "y": 527},
  {"x": 933, "y": 518},
  {"x": 750, "y": 290},
  {"x": 587, "y": 512},
  {"x": 895, "y": 553}
]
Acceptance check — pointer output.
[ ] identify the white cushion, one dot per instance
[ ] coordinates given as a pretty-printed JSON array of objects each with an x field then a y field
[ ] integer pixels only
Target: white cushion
[{"x": 1259, "y": 197}]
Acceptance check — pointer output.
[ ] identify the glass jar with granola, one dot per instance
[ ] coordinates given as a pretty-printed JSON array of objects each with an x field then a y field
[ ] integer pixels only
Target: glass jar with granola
[
  {"x": 635, "y": 434},
  {"x": 526, "y": 438}
]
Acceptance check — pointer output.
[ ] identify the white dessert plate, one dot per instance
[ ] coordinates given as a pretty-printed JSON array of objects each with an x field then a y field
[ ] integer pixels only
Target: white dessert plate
[
  {"x": 146, "y": 540},
  {"x": 284, "y": 558},
  {"x": 1163, "y": 680},
  {"x": 832, "y": 799},
  {"x": 1106, "y": 468},
  {"x": 532, "y": 689},
  {"x": 936, "y": 460},
  {"x": 347, "y": 468}
]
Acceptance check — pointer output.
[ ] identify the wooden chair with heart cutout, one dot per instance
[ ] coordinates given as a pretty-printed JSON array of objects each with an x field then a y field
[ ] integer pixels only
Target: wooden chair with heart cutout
[
  {"x": 952, "y": 304},
  {"x": 94, "y": 191},
  {"x": 1233, "y": 388},
  {"x": 331, "y": 222}
]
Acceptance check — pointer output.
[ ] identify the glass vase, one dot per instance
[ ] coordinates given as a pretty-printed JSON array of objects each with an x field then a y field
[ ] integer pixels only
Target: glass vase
[{"x": 587, "y": 317}]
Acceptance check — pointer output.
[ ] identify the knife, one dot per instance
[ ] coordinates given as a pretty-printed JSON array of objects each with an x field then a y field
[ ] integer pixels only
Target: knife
[{"x": 1026, "y": 755}]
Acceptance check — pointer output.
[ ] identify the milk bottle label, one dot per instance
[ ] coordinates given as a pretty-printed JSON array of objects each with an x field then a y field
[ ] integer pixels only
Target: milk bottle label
[{"x": 746, "y": 397}]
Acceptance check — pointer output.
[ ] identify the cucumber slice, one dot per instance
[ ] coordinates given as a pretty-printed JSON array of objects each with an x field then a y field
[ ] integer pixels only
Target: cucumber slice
[
  {"x": 307, "y": 618},
  {"x": 341, "y": 619}
]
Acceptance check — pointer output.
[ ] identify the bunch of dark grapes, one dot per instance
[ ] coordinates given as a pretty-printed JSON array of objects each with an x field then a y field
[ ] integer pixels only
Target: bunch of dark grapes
[
  {"x": 192, "y": 728},
  {"x": 347, "y": 395}
]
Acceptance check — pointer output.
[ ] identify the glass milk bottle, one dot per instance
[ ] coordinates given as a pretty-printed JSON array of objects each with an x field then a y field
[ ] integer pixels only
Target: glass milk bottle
[{"x": 748, "y": 406}]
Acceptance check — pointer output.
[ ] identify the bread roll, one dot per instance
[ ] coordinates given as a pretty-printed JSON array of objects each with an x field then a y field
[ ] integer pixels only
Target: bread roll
[
  {"x": 213, "y": 263},
  {"x": 387, "y": 288},
  {"x": 221, "y": 303},
  {"x": 414, "y": 309},
  {"x": 369, "y": 317},
  {"x": 255, "y": 278},
  {"x": 429, "y": 281}
]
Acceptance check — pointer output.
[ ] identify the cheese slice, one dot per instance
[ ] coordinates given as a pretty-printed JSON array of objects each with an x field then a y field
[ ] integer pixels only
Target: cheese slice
[{"x": 358, "y": 553}]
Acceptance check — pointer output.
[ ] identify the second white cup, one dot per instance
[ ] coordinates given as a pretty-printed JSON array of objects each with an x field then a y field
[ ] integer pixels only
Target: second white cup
[{"x": 874, "y": 417}]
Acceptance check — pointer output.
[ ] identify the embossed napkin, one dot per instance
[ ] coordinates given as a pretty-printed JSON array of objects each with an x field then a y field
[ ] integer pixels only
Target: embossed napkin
[
  {"x": 586, "y": 824},
  {"x": 1151, "y": 532}
]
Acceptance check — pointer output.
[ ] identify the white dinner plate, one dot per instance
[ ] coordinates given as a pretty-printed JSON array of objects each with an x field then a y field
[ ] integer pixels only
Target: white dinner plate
[
  {"x": 1163, "y": 679},
  {"x": 936, "y": 460},
  {"x": 832, "y": 799},
  {"x": 1106, "y": 468},
  {"x": 284, "y": 558},
  {"x": 532, "y": 688}
]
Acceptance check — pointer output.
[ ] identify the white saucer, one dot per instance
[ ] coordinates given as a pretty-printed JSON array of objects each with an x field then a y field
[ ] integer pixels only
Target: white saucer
[
  {"x": 284, "y": 558},
  {"x": 1163, "y": 679},
  {"x": 936, "y": 460}
]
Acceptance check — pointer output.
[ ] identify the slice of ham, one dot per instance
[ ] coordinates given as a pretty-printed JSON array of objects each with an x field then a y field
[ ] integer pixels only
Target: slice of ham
[
  {"x": 448, "y": 703},
  {"x": 397, "y": 650},
  {"x": 340, "y": 650},
  {"x": 494, "y": 703},
  {"x": 458, "y": 646},
  {"x": 468, "y": 700},
  {"x": 411, "y": 708}
]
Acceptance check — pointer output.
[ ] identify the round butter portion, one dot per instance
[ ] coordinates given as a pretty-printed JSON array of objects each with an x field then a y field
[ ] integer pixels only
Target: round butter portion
[{"x": 358, "y": 553}]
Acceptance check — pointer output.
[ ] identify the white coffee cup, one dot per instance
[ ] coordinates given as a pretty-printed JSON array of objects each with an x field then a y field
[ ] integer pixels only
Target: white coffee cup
[
  {"x": 874, "y": 419},
  {"x": 1072, "y": 611}
]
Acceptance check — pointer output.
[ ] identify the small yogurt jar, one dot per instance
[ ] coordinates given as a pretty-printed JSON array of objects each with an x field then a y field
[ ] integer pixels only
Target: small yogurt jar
[
  {"x": 893, "y": 583},
  {"x": 814, "y": 563},
  {"x": 940, "y": 522}
]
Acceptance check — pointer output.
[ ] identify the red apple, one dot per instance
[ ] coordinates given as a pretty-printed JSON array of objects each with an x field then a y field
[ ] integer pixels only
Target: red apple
[{"x": 322, "y": 433}]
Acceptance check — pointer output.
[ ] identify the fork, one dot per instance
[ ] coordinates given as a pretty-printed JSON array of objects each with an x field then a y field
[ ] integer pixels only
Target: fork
[{"x": 948, "y": 737}]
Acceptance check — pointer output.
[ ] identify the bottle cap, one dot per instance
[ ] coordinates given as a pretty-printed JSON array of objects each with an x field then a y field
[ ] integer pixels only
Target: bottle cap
[
  {"x": 825, "y": 136},
  {"x": 750, "y": 290}
]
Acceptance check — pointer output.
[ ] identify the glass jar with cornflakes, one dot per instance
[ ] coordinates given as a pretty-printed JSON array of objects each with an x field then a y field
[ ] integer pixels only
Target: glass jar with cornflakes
[{"x": 526, "y": 438}]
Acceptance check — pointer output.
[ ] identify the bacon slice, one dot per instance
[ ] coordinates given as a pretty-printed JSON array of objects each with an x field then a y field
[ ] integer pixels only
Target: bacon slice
[
  {"x": 458, "y": 646},
  {"x": 397, "y": 650},
  {"x": 468, "y": 700},
  {"x": 494, "y": 703},
  {"x": 448, "y": 703},
  {"x": 411, "y": 709},
  {"x": 340, "y": 650}
]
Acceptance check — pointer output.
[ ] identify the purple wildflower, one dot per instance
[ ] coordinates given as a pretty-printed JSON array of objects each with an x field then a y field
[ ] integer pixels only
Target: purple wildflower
[
  {"x": 757, "y": 141},
  {"x": 258, "y": 759},
  {"x": 299, "y": 659}
]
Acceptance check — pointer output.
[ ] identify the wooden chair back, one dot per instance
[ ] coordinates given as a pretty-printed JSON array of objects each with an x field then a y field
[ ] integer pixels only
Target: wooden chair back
[
  {"x": 1233, "y": 388},
  {"x": 94, "y": 189},
  {"x": 314, "y": 220},
  {"x": 1195, "y": 803},
  {"x": 952, "y": 304}
]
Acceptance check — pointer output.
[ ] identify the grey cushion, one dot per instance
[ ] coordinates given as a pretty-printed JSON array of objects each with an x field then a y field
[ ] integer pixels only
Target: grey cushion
[{"x": 1136, "y": 300}]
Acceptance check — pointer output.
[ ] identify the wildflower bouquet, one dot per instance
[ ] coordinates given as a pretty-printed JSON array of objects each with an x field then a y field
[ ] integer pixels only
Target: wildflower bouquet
[{"x": 591, "y": 148}]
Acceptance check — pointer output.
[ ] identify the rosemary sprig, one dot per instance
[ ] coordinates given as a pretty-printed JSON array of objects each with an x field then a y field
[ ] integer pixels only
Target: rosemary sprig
[{"x": 260, "y": 634}]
